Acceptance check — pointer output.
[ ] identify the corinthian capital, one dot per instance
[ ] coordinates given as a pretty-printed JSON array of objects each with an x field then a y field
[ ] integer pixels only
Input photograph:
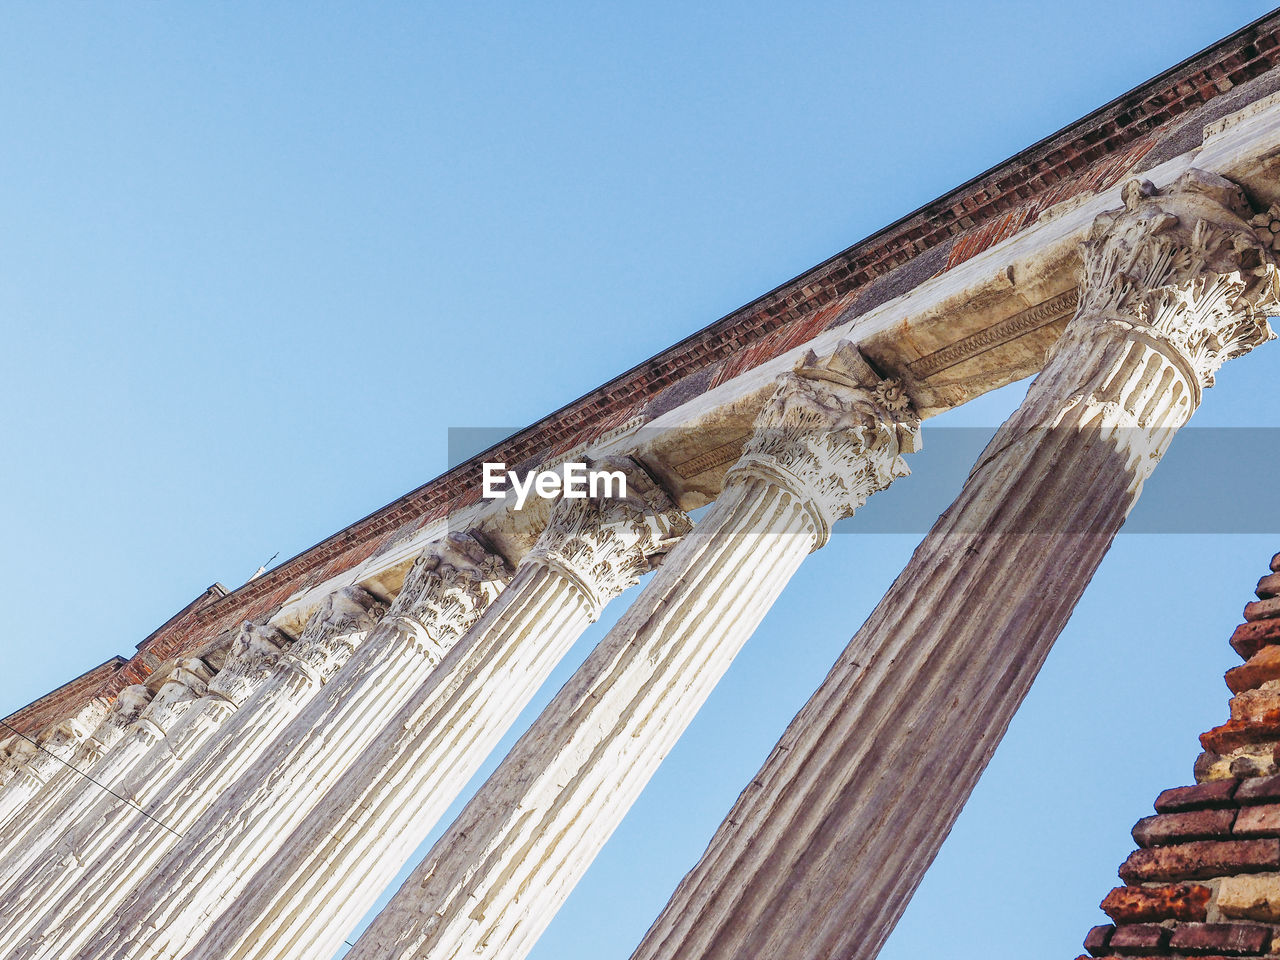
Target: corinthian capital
[
  {"x": 1187, "y": 267},
  {"x": 450, "y": 585},
  {"x": 254, "y": 650},
  {"x": 187, "y": 681},
  {"x": 832, "y": 434},
  {"x": 333, "y": 631},
  {"x": 604, "y": 544}
]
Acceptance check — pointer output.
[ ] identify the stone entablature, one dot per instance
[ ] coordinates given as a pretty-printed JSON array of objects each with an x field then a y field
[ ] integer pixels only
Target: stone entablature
[{"x": 922, "y": 298}]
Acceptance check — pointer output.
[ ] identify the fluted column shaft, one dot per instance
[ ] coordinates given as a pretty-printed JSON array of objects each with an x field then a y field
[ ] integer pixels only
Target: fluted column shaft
[
  {"x": 824, "y": 848},
  {"x": 331, "y": 635},
  {"x": 186, "y": 710},
  {"x": 35, "y": 879},
  {"x": 303, "y": 902},
  {"x": 96, "y": 762},
  {"x": 48, "y": 759},
  {"x": 825, "y": 441},
  {"x": 444, "y": 594}
]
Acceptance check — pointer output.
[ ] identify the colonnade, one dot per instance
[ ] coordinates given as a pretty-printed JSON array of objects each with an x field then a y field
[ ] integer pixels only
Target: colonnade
[{"x": 253, "y": 805}]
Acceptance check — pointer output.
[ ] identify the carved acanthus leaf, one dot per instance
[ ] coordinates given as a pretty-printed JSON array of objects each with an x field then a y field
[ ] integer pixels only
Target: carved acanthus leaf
[
  {"x": 450, "y": 586},
  {"x": 334, "y": 630},
  {"x": 255, "y": 649},
  {"x": 833, "y": 433},
  {"x": 606, "y": 543},
  {"x": 1190, "y": 265}
]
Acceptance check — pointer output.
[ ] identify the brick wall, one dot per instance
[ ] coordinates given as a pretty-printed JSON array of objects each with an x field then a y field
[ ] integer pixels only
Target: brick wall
[{"x": 1205, "y": 879}]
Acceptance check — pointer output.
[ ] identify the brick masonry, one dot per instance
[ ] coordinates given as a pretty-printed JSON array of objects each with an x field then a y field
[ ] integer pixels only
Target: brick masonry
[
  {"x": 1205, "y": 879},
  {"x": 1142, "y": 127}
]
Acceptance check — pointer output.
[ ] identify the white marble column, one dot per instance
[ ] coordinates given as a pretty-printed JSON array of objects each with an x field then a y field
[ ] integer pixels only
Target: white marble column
[
  {"x": 831, "y": 435},
  {"x": 447, "y": 590},
  {"x": 189, "y": 707},
  {"x": 332, "y": 633},
  {"x": 824, "y": 848},
  {"x": 90, "y": 770},
  {"x": 305, "y": 897},
  {"x": 48, "y": 757}
]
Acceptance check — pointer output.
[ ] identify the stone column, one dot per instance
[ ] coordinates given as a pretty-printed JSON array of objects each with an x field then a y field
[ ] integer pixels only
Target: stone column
[
  {"x": 334, "y": 631},
  {"x": 187, "y": 709},
  {"x": 306, "y": 895},
  {"x": 831, "y": 435},
  {"x": 49, "y": 757},
  {"x": 447, "y": 590},
  {"x": 824, "y": 848},
  {"x": 20, "y": 838}
]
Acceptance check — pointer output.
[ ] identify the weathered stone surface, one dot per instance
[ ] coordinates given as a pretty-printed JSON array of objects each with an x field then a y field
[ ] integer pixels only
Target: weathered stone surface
[
  {"x": 1260, "y": 705},
  {"x": 1211, "y": 766},
  {"x": 1167, "y": 828},
  {"x": 1262, "y": 821},
  {"x": 1138, "y": 939},
  {"x": 1096, "y": 940},
  {"x": 1249, "y": 638},
  {"x": 832, "y": 434},
  {"x": 1200, "y": 860},
  {"x": 1262, "y": 609},
  {"x": 1275, "y": 563},
  {"x": 1250, "y": 898},
  {"x": 1223, "y": 938},
  {"x": 1237, "y": 733},
  {"x": 1260, "y": 668},
  {"x": 1217, "y": 793},
  {"x": 1258, "y": 790},
  {"x": 1178, "y": 901},
  {"x": 1268, "y": 586}
]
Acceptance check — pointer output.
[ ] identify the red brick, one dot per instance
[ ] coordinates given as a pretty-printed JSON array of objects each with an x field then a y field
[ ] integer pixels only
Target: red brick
[
  {"x": 1140, "y": 939},
  {"x": 1177, "y": 901},
  {"x": 1262, "y": 609},
  {"x": 1262, "y": 821},
  {"x": 1238, "y": 733},
  {"x": 1215, "y": 793},
  {"x": 1261, "y": 667},
  {"x": 1095, "y": 941},
  {"x": 1268, "y": 586},
  {"x": 1167, "y": 828},
  {"x": 1258, "y": 790},
  {"x": 1249, "y": 638},
  {"x": 1200, "y": 860},
  {"x": 1222, "y": 938}
]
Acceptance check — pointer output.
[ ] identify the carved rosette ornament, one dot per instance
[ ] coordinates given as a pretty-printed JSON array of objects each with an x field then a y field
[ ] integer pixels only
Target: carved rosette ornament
[
  {"x": 448, "y": 588},
  {"x": 603, "y": 544},
  {"x": 833, "y": 433},
  {"x": 332, "y": 633},
  {"x": 1190, "y": 267}
]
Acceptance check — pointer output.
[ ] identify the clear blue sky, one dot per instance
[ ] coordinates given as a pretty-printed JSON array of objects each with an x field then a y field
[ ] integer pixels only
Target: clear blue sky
[{"x": 258, "y": 258}]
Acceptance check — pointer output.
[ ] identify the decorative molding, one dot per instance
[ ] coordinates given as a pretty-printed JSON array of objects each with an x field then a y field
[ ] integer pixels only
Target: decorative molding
[
  {"x": 605, "y": 544},
  {"x": 833, "y": 433},
  {"x": 1033, "y": 318},
  {"x": 726, "y": 452},
  {"x": 1240, "y": 116}
]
